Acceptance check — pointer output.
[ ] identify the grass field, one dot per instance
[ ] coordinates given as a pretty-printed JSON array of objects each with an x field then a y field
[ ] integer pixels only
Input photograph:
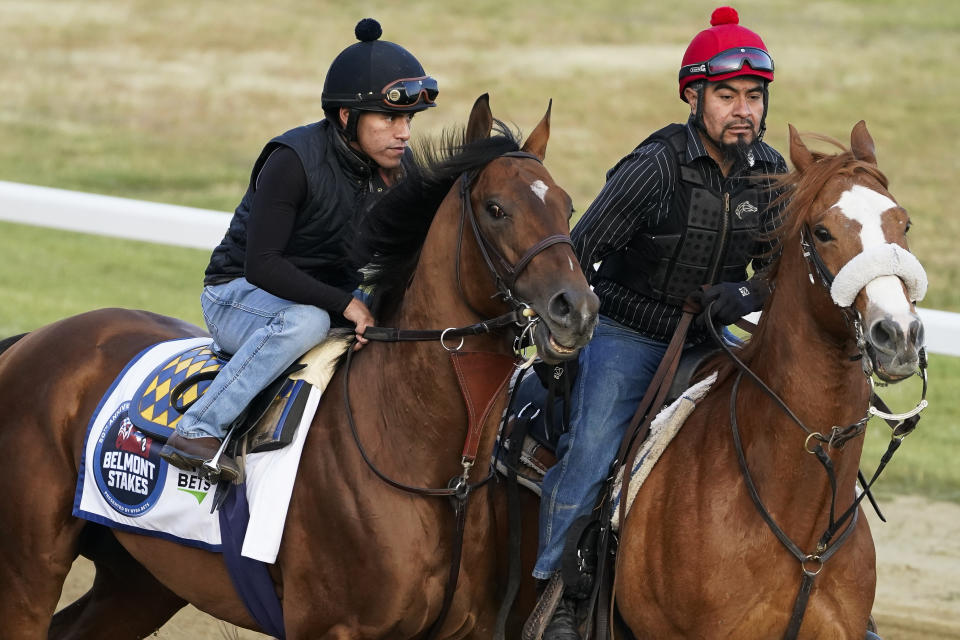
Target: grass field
[{"x": 172, "y": 101}]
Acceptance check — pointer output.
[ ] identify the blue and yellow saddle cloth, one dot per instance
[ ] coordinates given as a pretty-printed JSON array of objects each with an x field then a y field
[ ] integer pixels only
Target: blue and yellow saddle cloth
[{"x": 152, "y": 409}]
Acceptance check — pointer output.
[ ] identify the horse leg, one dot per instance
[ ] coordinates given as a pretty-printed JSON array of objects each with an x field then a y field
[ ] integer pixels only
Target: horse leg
[
  {"x": 38, "y": 534},
  {"x": 125, "y": 601},
  {"x": 31, "y": 577}
]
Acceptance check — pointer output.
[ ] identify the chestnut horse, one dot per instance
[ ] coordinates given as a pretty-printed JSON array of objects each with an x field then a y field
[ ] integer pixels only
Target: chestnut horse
[
  {"x": 697, "y": 558},
  {"x": 359, "y": 558}
]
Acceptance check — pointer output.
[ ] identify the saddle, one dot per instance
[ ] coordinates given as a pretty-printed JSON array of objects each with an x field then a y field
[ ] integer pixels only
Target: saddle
[
  {"x": 541, "y": 411},
  {"x": 268, "y": 423}
]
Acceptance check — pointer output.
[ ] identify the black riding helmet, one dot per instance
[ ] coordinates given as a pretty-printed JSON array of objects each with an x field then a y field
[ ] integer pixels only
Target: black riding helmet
[{"x": 376, "y": 75}]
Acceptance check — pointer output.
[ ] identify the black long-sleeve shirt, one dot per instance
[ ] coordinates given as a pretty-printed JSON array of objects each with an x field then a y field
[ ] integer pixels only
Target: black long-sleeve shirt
[
  {"x": 281, "y": 190},
  {"x": 290, "y": 234},
  {"x": 637, "y": 196}
]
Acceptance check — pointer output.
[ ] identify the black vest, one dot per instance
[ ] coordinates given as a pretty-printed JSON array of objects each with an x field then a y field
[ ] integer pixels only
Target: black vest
[
  {"x": 707, "y": 237},
  {"x": 338, "y": 183}
]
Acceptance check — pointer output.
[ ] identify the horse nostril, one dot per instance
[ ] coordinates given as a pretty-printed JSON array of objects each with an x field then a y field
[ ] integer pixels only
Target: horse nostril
[
  {"x": 886, "y": 335},
  {"x": 916, "y": 333},
  {"x": 559, "y": 308}
]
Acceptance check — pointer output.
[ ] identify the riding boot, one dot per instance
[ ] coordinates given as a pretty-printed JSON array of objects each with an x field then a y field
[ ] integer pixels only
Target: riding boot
[
  {"x": 192, "y": 453},
  {"x": 564, "y": 624}
]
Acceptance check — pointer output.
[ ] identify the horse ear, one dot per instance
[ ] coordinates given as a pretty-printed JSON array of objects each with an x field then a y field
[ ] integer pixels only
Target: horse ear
[
  {"x": 536, "y": 143},
  {"x": 800, "y": 156},
  {"x": 862, "y": 144},
  {"x": 481, "y": 120}
]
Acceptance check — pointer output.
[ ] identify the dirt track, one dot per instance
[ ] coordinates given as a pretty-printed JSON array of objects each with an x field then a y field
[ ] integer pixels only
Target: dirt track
[{"x": 918, "y": 592}]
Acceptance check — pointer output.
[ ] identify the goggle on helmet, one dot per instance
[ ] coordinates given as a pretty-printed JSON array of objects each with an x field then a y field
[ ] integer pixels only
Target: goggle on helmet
[
  {"x": 376, "y": 75},
  {"x": 725, "y": 50}
]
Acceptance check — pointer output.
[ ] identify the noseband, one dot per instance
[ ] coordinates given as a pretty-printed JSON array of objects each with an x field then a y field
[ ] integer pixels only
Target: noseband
[{"x": 888, "y": 259}]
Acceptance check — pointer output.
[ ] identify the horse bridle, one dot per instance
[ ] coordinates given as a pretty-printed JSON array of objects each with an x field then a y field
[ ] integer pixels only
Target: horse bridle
[
  {"x": 902, "y": 425},
  {"x": 876, "y": 407},
  {"x": 520, "y": 315},
  {"x": 506, "y": 281}
]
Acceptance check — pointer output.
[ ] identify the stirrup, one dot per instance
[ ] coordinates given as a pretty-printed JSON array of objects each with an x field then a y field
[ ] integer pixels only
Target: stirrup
[{"x": 210, "y": 469}]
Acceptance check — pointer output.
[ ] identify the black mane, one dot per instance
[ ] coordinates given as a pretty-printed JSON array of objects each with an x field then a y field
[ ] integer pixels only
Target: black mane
[{"x": 391, "y": 234}]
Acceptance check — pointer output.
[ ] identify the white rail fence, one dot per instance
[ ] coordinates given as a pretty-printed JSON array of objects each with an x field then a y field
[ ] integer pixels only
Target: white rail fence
[{"x": 203, "y": 229}]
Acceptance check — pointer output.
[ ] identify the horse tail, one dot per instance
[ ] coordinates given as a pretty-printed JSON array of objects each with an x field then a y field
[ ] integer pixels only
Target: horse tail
[{"x": 6, "y": 343}]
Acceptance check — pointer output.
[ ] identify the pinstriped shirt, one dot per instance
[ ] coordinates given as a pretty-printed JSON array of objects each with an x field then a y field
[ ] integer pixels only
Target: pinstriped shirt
[{"x": 636, "y": 197}]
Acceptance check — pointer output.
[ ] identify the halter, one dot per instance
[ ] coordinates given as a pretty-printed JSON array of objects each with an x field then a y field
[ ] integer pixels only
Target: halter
[
  {"x": 521, "y": 315},
  {"x": 902, "y": 425}
]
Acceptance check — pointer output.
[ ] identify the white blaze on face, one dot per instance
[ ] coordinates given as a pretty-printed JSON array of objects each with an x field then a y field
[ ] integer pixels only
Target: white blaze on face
[
  {"x": 866, "y": 206},
  {"x": 540, "y": 190}
]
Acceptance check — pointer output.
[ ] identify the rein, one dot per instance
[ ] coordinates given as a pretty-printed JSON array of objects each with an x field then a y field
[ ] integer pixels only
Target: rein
[
  {"x": 902, "y": 425},
  {"x": 459, "y": 487}
]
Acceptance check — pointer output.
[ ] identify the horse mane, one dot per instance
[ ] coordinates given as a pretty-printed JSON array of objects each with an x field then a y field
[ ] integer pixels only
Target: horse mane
[
  {"x": 391, "y": 234},
  {"x": 6, "y": 343},
  {"x": 798, "y": 192}
]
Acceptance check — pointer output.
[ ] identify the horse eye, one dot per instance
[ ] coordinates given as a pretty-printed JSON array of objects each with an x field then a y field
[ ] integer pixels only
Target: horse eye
[
  {"x": 495, "y": 210},
  {"x": 822, "y": 234},
  {"x": 907, "y": 228}
]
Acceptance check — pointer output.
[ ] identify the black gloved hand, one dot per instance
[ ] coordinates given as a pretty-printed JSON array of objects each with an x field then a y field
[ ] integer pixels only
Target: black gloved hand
[{"x": 732, "y": 300}]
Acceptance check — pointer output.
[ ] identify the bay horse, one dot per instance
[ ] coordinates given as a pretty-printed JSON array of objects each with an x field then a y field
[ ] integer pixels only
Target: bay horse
[
  {"x": 697, "y": 558},
  {"x": 480, "y": 230}
]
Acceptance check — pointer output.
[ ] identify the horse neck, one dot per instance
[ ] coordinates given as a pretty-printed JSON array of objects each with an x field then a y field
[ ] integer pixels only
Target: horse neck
[
  {"x": 803, "y": 355},
  {"x": 418, "y": 378},
  {"x": 435, "y": 298}
]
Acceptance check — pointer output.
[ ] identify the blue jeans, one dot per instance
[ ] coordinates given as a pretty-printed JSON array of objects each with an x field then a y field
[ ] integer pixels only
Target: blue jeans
[
  {"x": 616, "y": 368},
  {"x": 265, "y": 334}
]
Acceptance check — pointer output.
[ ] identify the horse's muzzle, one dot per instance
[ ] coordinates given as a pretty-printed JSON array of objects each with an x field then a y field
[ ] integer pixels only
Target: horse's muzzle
[
  {"x": 894, "y": 343},
  {"x": 567, "y": 324}
]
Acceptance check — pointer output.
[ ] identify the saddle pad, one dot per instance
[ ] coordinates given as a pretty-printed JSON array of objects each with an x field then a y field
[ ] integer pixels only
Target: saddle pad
[
  {"x": 151, "y": 409},
  {"x": 123, "y": 483},
  {"x": 662, "y": 430}
]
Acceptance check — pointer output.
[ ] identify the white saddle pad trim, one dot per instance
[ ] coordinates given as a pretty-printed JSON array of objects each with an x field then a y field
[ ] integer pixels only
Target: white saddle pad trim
[
  {"x": 662, "y": 430},
  {"x": 270, "y": 476}
]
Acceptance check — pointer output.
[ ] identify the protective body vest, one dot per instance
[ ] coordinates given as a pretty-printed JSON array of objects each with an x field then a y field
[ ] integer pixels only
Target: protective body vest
[
  {"x": 338, "y": 183},
  {"x": 707, "y": 237}
]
